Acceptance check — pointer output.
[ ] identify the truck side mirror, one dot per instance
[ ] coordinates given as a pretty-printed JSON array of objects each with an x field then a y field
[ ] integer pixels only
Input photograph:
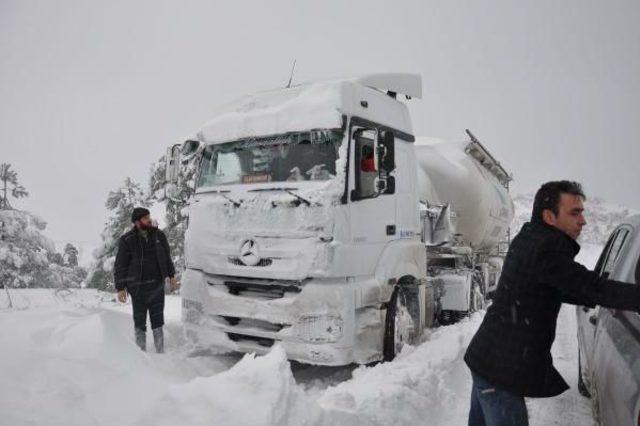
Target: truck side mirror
[
  {"x": 189, "y": 149},
  {"x": 172, "y": 165},
  {"x": 388, "y": 160}
]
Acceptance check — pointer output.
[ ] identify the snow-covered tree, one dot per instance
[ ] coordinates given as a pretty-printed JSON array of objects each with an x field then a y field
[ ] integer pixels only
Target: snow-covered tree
[
  {"x": 10, "y": 186},
  {"x": 28, "y": 258},
  {"x": 70, "y": 257},
  {"x": 176, "y": 216},
  {"x": 24, "y": 250},
  {"x": 120, "y": 203}
]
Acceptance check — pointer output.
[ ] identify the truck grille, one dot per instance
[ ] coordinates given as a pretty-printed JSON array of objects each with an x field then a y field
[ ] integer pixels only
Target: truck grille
[
  {"x": 262, "y": 341},
  {"x": 234, "y": 260},
  {"x": 253, "y": 323},
  {"x": 258, "y": 288}
]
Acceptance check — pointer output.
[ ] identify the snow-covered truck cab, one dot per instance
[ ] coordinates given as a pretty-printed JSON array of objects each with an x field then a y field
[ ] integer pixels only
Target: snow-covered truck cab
[{"x": 304, "y": 227}]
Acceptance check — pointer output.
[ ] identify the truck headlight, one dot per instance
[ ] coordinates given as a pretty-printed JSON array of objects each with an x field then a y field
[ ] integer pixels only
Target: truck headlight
[{"x": 319, "y": 328}]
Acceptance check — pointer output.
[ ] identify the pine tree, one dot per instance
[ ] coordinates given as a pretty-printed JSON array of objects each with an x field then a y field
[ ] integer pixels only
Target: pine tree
[
  {"x": 70, "y": 255},
  {"x": 120, "y": 203},
  {"x": 24, "y": 250},
  {"x": 10, "y": 185},
  {"x": 27, "y": 257}
]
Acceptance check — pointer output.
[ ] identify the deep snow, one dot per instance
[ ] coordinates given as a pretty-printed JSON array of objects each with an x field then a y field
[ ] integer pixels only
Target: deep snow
[{"x": 69, "y": 359}]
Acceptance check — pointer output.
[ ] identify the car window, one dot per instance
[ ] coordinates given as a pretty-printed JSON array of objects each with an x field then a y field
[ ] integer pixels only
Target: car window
[
  {"x": 616, "y": 246},
  {"x": 603, "y": 256}
]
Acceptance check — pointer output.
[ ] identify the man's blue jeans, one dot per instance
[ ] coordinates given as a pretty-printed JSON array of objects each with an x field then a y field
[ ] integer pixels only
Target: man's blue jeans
[{"x": 491, "y": 406}]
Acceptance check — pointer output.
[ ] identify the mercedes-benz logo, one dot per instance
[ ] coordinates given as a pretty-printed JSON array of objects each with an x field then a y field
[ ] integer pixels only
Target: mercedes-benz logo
[{"x": 249, "y": 253}]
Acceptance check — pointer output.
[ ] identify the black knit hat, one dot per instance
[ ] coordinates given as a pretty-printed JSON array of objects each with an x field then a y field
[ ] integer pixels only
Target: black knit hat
[{"x": 138, "y": 213}]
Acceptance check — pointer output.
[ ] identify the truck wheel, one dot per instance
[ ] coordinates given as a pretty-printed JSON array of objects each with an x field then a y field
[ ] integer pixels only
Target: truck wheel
[
  {"x": 582, "y": 386},
  {"x": 399, "y": 324}
]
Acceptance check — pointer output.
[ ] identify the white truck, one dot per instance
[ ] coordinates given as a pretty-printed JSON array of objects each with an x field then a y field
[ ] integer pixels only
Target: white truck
[{"x": 320, "y": 222}]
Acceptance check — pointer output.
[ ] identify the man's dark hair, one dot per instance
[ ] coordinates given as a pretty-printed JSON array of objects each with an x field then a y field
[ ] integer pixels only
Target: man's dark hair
[
  {"x": 548, "y": 197},
  {"x": 138, "y": 213}
]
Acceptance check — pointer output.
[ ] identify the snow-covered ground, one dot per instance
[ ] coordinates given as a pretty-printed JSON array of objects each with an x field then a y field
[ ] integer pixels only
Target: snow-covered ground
[{"x": 70, "y": 359}]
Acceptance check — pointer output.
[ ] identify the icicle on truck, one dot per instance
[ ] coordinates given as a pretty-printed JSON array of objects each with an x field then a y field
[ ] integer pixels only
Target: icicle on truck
[{"x": 320, "y": 222}]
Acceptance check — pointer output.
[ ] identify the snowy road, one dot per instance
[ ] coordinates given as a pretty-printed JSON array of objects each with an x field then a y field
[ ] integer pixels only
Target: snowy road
[
  {"x": 73, "y": 362},
  {"x": 70, "y": 359}
]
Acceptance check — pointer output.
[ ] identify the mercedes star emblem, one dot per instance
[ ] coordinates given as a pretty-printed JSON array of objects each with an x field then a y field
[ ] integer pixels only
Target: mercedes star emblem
[{"x": 249, "y": 253}]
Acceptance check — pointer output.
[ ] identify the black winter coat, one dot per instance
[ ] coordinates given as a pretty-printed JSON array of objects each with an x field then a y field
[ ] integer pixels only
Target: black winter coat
[
  {"x": 128, "y": 266},
  {"x": 512, "y": 347}
]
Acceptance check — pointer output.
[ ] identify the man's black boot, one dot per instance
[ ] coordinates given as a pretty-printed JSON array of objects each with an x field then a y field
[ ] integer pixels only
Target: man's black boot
[
  {"x": 158, "y": 339},
  {"x": 141, "y": 338}
]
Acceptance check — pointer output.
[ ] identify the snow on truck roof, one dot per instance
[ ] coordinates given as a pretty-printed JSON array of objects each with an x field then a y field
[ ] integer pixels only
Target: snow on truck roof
[{"x": 307, "y": 106}]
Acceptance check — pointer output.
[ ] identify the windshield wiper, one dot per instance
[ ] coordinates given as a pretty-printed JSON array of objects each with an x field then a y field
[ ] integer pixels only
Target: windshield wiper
[
  {"x": 288, "y": 191},
  {"x": 222, "y": 194}
]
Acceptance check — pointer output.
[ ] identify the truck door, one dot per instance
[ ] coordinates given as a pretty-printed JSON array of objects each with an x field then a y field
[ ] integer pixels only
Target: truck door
[{"x": 372, "y": 196}]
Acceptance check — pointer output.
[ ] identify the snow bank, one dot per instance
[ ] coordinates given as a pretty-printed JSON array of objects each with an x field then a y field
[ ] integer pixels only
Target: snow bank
[
  {"x": 44, "y": 297},
  {"x": 417, "y": 385},
  {"x": 74, "y": 362},
  {"x": 256, "y": 391}
]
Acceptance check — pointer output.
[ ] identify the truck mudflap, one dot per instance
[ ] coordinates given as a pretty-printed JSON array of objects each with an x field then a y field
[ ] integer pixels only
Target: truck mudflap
[{"x": 316, "y": 321}]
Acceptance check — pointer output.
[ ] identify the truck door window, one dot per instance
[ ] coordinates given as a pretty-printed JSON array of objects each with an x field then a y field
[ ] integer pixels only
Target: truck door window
[{"x": 366, "y": 163}]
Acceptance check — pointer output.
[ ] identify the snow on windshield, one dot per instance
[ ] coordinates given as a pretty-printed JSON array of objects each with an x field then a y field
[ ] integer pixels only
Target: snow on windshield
[{"x": 295, "y": 156}]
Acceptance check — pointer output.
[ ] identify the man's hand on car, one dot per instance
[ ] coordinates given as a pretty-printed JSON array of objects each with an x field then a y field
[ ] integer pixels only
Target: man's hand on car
[{"x": 122, "y": 296}]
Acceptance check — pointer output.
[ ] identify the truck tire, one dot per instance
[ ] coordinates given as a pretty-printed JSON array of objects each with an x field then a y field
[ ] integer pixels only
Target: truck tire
[{"x": 400, "y": 326}]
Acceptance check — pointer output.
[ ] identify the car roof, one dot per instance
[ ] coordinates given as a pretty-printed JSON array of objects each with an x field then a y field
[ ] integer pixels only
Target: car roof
[{"x": 633, "y": 220}]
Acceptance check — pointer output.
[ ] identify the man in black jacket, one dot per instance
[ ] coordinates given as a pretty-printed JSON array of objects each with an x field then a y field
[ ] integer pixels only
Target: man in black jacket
[
  {"x": 143, "y": 262},
  {"x": 510, "y": 355}
]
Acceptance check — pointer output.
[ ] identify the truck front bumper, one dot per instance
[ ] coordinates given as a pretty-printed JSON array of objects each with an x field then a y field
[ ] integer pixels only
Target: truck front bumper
[{"x": 317, "y": 321}]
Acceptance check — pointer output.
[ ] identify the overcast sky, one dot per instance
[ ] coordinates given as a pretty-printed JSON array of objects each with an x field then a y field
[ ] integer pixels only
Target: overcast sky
[{"x": 92, "y": 92}]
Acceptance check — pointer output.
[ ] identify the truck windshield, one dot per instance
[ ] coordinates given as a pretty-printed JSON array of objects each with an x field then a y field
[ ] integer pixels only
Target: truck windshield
[{"x": 297, "y": 156}]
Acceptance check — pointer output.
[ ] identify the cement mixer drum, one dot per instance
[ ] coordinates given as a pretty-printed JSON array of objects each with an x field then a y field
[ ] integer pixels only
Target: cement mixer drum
[{"x": 465, "y": 175}]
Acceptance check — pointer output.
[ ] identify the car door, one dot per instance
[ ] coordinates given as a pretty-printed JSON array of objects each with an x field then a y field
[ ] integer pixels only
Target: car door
[
  {"x": 587, "y": 319},
  {"x": 616, "y": 372}
]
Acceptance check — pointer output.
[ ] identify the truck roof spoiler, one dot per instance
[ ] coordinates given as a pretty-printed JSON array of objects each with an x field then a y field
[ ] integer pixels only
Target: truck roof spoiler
[
  {"x": 480, "y": 153},
  {"x": 404, "y": 83}
]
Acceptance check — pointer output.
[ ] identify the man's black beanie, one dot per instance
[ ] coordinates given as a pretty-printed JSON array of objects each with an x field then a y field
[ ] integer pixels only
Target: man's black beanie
[{"x": 138, "y": 213}]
